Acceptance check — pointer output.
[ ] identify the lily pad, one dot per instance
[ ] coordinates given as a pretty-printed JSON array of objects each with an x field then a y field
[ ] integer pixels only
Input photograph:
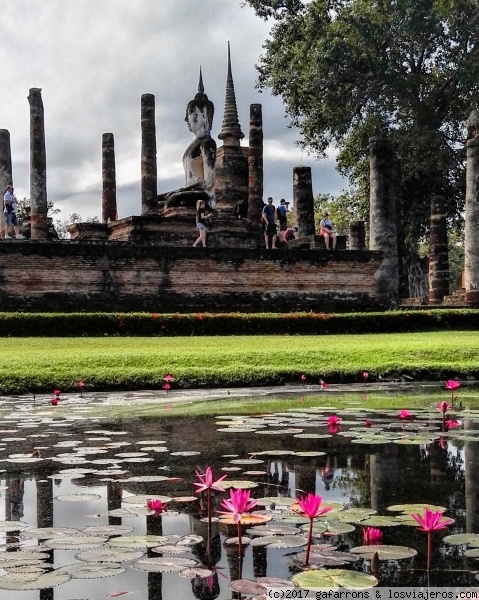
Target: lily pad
[
  {"x": 326, "y": 558},
  {"x": 334, "y": 579},
  {"x": 237, "y": 484},
  {"x": 109, "y": 555},
  {"x": 384, "y": 552},
  {"x": 260, "y": 586},
  {"x": 469, "y": 539},
  {"x": 164, "y": 565},
  {"x": 33, "y": 581},
  {"x": 92, "y": 570},
  {"x": 415, "y": 508},
  {"x": 77, "y": 497},
  {"x": 137, "y": 541},
  {"x": 75, "y": 542},
  {"x": 142, "y": 499},
  {"x": 272, "y": 530},
  {"x": 280, "y": 541},
  {"x": 380, "y": 521},
  {"x": 107, "y": 530}
]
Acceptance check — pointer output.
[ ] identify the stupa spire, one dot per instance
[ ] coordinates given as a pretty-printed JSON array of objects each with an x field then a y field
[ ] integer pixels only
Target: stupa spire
[
  {"x": 231, "y": 132},
  {"x": 201, "y": 88}
]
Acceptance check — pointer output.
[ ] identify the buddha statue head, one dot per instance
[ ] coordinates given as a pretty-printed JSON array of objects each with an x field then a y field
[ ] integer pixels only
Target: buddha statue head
[{"x": 200, "y": 112}]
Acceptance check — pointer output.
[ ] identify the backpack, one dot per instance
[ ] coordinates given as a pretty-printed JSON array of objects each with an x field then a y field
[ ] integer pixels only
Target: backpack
[{"x": 280, "y": 211}]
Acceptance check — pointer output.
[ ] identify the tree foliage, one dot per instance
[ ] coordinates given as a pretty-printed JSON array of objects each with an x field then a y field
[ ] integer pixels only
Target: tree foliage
[{"x": 407, "y": 69}]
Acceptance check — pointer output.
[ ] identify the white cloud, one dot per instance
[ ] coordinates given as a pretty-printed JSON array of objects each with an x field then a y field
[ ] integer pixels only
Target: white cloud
[{"x": 94, "y": 59}]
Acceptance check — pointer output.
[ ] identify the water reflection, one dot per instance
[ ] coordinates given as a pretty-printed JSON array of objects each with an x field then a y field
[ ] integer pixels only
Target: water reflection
[{"x": 443, "y": 472}]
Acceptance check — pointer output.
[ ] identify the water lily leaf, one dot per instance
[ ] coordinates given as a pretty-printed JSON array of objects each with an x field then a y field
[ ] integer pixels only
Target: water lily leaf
[
  {"x": 6, "y": 557},
  {"x": 246, "y": 519},
  {"x": 186, "y": 453},
  {"x": 246, "y": 586},
  {"x": 472, "y": 553},
  {"x": 13, "y": 525},
  {"x": 415, "y": 508},
  {"x": 33, "y": 581},
  {"x": 77, "y": 497},
  {"x": 92, "y": 570},
  {"x": 246, "y": 461},
  {"x": 334, "y": 579},
  {"x": 326, "y": 558},
  {"x": 272, "y": 530},
  {"x": 371, "y": 439},
  {"x": 384, "y": 552},
  {"x": 470, "y": 539},
  {"x": 338, "y": 528},
  {"x": 75, "y": 542},
  {"x": 137, "y": 541},
  {"x": 46, "y": 533},
  {"x": 280, "y": 501},
  {"x": 190, "y": 573},
  {"x": 109, "y": 555},
  {"x": 381, "y": 521},
  {"x": 275, "y": 582},
  {"x": 163, "y": 565},
  {"x": 107, "y": 530},
  {"x": 142, "y": 499},
  {"x": 169, "y": 549},
  {"x": 280, "y": 541},
  {"x": 310, "y": 453},
  {"x": 237, "y": 484},
  {"x": 22, "y": 562},
  {"x": 234, "y": 541}
]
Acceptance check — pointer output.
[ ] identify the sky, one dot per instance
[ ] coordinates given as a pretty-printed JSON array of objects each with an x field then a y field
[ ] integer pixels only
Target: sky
[{"x": 93, "y": 59}]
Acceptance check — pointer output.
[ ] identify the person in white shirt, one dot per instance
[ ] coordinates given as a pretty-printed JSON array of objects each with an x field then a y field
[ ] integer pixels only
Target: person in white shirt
[
  {"x": 326, "y": 231},
  {"x": 10, "y": 213}
]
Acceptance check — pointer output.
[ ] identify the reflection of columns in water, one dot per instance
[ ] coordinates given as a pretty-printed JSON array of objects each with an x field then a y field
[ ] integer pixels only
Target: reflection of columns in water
[
  {"x": 305, "y": 478},
  {"x": 438, "y": 464},
  {"x": 114, "y": 495},
  {"x": 471, "y": 460},
  {"x": 260, "y": 561},
  {"x": 235, "y": 562},
  {"x": 44, "y": 501},
  {"x": 155, "y": 584},
  {"x": 14, "y": 505},
  {"x": 383, "y": 472}
]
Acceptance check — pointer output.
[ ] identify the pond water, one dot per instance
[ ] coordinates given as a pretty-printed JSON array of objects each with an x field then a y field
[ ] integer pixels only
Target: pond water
[{"x": 90, "y": 484}]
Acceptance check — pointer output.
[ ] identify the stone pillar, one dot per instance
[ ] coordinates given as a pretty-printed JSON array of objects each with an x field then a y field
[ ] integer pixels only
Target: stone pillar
[
  {"x": 255, "y": 164},
  {"x": 357, "y": 235},
  {"x": 471, "y": 243},
  {"x": 148, "y": 156},
  {"x": 38, "y": 167},
  {"x": 438, "y": 252},
  {"x": 109, "y": 210},
  {"x": 5, "y": 170},
  {"x": 303, "y": 201},
  {"x": 382, "y": 225}
]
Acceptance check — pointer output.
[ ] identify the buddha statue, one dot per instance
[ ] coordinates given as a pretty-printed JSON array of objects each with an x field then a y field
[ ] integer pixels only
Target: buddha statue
[{"x": 199, "y": 158}]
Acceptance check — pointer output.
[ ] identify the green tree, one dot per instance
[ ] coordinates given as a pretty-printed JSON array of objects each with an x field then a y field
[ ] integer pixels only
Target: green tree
[{"x": 408, "y": 69}]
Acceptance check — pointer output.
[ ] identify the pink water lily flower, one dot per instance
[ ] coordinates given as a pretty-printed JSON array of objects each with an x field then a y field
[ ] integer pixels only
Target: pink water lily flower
[
  {"x": 431, "y": 521},
  {"x": 452, "y": 384},
  {"x": 56, "y": 392},
  {"x": 206, "y": 481},
  {"x": 333, "y": 420},
  {"x": 310, "y": 505},
  {"x": 404, "y": 414},
  {"x": 168, "y": 378},
  {"x": 365, "y": 375},
  {"x": 443, "y": 407},
  {"x": 237, "y": 504},
  {"x": 371, "y": 535},
  {"x": 303, "y": 378},
  {"x": 157, "y": 506},
  {"x": 452, "y": 424}
]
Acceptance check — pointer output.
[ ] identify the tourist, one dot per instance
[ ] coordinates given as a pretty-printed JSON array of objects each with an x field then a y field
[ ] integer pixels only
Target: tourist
[
  {"x": 290, "y": 234},
  {"x": 201, "y": 217},
  {"x": 326, "y": 231},
  {"x": 269, "y": 217},
  {"x": 10, "y": 213},
  {"x": 282, "y": 213}
]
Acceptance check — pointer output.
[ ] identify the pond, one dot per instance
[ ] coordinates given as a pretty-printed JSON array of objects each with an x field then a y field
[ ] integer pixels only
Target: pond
[{"x": 74, "y": 522}]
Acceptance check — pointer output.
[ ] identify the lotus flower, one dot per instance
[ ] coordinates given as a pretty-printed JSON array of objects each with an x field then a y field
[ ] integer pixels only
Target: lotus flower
[
  {"x": 404, "y": 414},
  {"x": 429, "y": 522},
  {"x": 443, "y": 407},
  {"x": 452, "y": 384},
  {"x": 333, "y": 429},
  {"x": 451, "y": 424},
  {"x": 157, "y": 506},
  {"x": 168, "y": 378},
  {"x": 167, "y": 387},
  {"x": 371, "y": 535},
  {"x": 54, "y": 400},
  {"x": 442, "y": 442},
  {"x": 365, "y": 375},
  {"x": 303, "y": 378},
  {"x": 237, "y": 504},
  {"x": 333, "y": 420},
  {"x": 81, "y": 385},
  {"x": 206, "y": 481},
  {"x": 56, "y": 393},
  {"x": 367, "y": 424},
  {"x": 310, "y": 506},
  {"x": 323, "y": 384}
]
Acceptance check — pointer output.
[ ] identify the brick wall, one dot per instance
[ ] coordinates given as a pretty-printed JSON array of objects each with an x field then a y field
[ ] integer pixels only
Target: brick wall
[{"x": 116, "y": 276}]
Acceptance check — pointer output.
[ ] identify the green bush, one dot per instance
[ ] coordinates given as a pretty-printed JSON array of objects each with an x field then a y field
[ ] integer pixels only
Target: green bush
[{"x": 175, "y": 324}]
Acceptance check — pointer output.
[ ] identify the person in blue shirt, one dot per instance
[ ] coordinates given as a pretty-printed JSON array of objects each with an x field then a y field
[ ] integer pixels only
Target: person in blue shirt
[{"x": 269, "y": 217}]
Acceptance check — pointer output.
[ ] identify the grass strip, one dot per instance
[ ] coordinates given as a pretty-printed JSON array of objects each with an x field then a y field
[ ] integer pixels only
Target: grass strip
[{"x": 42, "y": 364}]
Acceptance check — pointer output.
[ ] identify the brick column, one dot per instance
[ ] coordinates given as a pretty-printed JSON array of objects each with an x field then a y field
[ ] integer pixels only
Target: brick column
[
  {"x": 357, "y": 235},
  {"x": 255, "y": 164},
  {"x": 382, "y": 225},
  {"x": 149, "y": 191},
  {"x": 438, "y": 252},
  {"x": 38, "y": 167},
  {"x": 471, "y": 243},
  {"x": 5, "y": 171},
  {"x": 303, "y": 201},
  {"x": 109, "y": 210}
]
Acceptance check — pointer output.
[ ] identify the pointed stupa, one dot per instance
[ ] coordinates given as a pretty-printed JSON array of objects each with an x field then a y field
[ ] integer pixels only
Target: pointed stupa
[
  {"x": 230, "y": 133},
  {"x": 201, "y": 87}
]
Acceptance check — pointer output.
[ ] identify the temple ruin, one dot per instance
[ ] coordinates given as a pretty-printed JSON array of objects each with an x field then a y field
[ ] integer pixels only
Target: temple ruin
[{"x": 146, "y": 262}]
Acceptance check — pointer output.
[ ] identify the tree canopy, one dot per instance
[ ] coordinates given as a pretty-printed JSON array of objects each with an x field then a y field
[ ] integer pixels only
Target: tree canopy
[{"x": 407, "y": 69}]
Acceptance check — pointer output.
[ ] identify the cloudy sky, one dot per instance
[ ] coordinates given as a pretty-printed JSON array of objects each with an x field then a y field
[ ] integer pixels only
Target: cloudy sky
[{"x": 93, "y": 59}]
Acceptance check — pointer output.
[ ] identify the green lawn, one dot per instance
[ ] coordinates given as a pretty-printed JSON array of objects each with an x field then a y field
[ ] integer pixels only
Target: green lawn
[{"x": 40, "y": 364}]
